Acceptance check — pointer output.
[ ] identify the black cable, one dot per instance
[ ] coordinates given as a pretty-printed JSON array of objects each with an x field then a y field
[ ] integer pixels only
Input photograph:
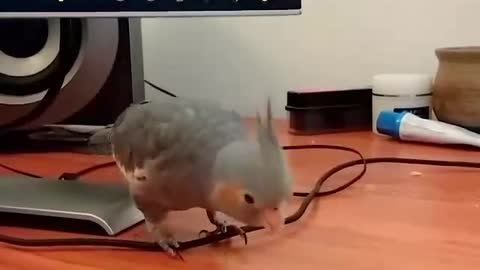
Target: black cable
[
  {"x": 315, "y": 192},
  {"x": 183, "y": 245},
  {"x": 64, "y": 176},
  {"x": 160, "y": 89},
  {"x": 19, "y": 171},
  {"x": 76, "y": 175}
]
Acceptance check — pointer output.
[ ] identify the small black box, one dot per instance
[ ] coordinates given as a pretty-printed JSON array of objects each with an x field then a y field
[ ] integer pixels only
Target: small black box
[{"x": 315, "y": 112}]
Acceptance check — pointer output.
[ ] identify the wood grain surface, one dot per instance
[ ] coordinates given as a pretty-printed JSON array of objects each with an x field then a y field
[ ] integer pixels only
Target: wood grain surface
[{"x": 395, "y": 217}]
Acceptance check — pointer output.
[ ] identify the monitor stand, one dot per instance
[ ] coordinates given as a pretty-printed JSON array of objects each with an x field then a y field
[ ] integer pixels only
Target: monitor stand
[{"x": 107, "y": 205}]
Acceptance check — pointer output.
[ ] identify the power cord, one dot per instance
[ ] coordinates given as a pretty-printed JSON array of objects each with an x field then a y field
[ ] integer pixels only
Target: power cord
[
  {"x": 63, "y": 176},
  {"x": 209, "y": 239},
  {"x": 19, "y": 171},
  {"x": 159, "y": 88},
  {"x": 309, "y": 197},
  {"x": 76, "y": 175}
]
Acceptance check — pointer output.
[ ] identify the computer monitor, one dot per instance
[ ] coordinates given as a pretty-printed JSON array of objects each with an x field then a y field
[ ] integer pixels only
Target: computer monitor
[{"x": 146, "y": 8}]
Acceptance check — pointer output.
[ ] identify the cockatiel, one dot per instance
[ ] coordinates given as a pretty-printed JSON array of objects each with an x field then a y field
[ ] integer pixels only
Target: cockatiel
[{"x": 180, "y": 154}]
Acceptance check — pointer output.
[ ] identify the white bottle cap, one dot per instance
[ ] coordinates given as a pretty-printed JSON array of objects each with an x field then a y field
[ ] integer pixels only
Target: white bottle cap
[{"x": 402, "y": 84}]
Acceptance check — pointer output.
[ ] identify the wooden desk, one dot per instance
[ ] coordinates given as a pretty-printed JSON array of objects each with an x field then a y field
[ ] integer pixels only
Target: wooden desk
[{"x": 390, "y": 219}]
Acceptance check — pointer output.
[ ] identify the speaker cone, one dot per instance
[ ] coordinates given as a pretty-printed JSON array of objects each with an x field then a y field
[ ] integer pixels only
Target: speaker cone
[{"x": 30, "y": 63}]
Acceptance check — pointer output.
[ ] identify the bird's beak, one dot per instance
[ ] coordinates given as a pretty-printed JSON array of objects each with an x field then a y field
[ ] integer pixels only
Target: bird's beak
[{"x": 273, "y": 219}]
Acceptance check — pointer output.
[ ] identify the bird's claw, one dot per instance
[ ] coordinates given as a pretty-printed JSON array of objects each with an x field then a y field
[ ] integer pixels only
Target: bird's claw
[
  {"x": 170, "y": 246},
  {"x": 239, "y": 231},
  {"x": 220, "y": 228},
  {"x": 223, "y": 228}
]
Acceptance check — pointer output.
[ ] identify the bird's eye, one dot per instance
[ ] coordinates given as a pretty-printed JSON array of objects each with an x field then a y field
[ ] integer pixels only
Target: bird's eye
[{"x": 249, "y": 198}]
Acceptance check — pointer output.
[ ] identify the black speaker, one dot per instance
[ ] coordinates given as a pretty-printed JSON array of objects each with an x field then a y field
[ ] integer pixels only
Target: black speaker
[{"x": 96, "y": 62}]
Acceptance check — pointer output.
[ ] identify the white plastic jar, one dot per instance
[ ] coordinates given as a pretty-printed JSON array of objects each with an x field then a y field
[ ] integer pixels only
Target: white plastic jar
[{"x": 401, "y": 92}]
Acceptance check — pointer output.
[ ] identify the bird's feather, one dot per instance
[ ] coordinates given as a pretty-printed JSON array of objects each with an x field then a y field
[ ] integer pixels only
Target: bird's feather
[{"x": 174, "y": 142}]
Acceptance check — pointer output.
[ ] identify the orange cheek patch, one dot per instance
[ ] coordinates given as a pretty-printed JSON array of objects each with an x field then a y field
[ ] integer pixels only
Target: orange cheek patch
[{"x": 227, "y": 195}]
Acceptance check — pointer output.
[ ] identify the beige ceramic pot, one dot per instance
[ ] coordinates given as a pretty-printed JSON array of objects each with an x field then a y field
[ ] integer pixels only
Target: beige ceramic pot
[{"x": 456, "y": 88}]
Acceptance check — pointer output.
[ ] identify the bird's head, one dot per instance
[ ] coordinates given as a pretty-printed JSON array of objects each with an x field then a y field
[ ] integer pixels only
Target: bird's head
[{"x": 252, "y": 183}]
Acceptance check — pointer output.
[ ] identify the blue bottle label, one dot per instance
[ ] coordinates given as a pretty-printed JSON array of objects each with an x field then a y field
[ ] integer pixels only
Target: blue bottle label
[{"x": 423, "y": 112}]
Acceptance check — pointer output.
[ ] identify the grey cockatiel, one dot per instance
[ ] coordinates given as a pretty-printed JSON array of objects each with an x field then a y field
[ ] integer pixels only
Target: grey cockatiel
[{"x": 180, "y": 154}]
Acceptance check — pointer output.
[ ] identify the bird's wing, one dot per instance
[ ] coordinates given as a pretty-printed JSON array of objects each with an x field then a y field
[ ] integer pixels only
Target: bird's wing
[{"x": 175, "y": 140}]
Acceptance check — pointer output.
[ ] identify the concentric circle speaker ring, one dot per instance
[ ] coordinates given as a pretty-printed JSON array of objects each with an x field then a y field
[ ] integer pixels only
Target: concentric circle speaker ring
[
  {"x": 33, "y": 74},
  {"x": 90, "y": 70}
]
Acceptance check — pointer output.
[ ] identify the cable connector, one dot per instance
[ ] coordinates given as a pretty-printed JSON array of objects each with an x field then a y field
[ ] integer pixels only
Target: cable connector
[{"x": 69, "y": 176}]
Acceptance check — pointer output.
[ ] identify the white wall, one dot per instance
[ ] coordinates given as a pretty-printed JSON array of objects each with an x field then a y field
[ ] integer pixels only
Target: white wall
[{"x": 334, "y": 43}]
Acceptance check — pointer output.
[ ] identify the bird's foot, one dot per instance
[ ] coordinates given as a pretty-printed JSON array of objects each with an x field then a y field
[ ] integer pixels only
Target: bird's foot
[
  {"x": 165, "y": 239},
  {"x": 223, "y": 227},
  {"x": 170, "y": 245}
]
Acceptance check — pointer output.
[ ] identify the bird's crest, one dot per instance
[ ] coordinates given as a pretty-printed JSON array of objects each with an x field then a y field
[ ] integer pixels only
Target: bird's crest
[{"x": 267, "y": 139}]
